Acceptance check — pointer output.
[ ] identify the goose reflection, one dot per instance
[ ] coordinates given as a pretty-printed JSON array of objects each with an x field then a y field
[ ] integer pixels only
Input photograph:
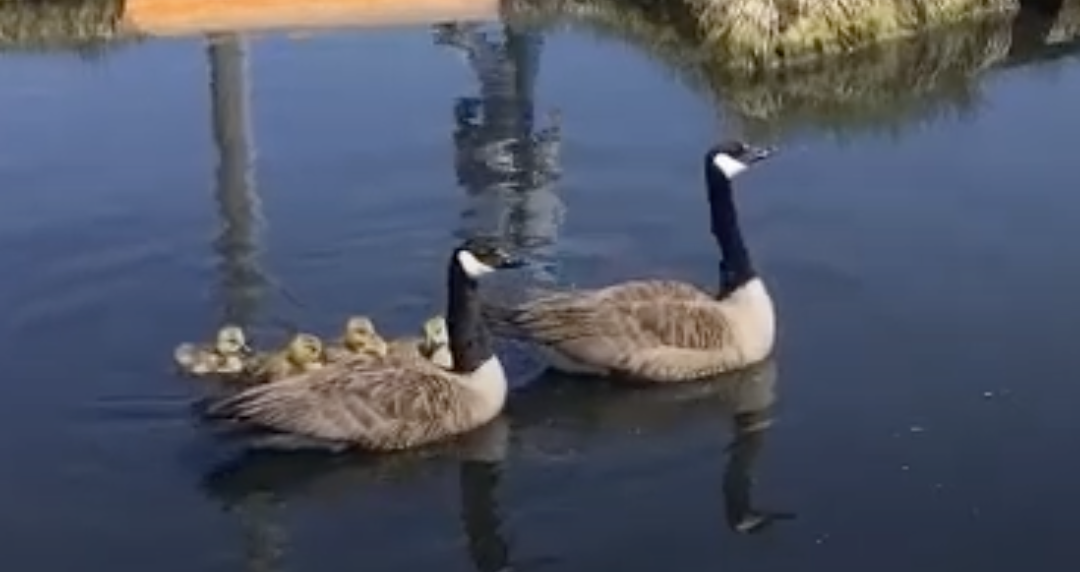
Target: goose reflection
[
  {"x": 578, "y": 416},
  {"x": 749, "y": 439},
  {"x": 267, "y": 477},
  {"x": 563, "y": 418},
  {"x": 508, "y": 168}
]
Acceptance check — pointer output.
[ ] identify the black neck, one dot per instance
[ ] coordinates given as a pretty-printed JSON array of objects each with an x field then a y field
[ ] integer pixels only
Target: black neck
[
  {"x": 470, "y": 342},
  {"x": 736, "y": 269}
]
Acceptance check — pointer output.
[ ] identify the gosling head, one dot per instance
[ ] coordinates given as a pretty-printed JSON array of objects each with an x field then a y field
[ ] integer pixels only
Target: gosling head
[
  {"x": 359, "y": 327},
  {"x": 436, "y": 343},
  {"x": 361, "y": 324},
  {"x": 435, "y": 332},
  {"x": 731, "y": 158},
  {"x": 479, "y": 256},
  {"x": 371, "y": 344},
  {"x": 231, "y": 341},
  {"x": 305, "y": 350},
  {"x": 360, "y": 333}
]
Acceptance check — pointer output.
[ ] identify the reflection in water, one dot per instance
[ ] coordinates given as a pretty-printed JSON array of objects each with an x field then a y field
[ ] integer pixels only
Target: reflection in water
[
  {"x": 479, "y": 478},
  {"x": 565, "y": 418},
  {"x": 508, "y": 170},
  {"x": 886, "y": 88},
  {"x": 750, "y": 432},
  {"x": 480, "y": 516},
  {"x": 1066, "y": 24},
  {"x": 265, "y": 539},
  {"x": 238, "y": 206},
  {"x": 580, "y": 416},
  {"x": 242, "y": 281},
  {"x": 270, "y": 477}
]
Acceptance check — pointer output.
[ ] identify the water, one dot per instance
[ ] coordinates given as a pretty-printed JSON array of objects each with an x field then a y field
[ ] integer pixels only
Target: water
[{"x": 924, "y": 266}]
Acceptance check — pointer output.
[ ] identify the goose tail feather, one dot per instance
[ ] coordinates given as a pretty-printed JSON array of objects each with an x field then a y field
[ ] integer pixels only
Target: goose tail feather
[{"x": 231, "y": 407}]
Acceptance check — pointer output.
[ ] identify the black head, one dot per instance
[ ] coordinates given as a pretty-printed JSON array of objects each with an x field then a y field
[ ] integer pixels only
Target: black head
[
  {"x": 733, "y": 157},
  {"x": 483, "y": 255}
]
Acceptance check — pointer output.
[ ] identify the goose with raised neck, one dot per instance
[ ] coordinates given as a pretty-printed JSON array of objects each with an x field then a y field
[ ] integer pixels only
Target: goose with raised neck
[{"x": 660, "y": 330}]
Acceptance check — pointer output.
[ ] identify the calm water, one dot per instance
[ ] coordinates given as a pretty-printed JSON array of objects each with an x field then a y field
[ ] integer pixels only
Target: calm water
[{"x": 926, "y": 277}]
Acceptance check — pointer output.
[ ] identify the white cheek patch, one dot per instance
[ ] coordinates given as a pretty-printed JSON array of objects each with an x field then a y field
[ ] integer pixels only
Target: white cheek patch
[
  {"x": 728, "y": 165},
  {"x": 472, "y": 266}
]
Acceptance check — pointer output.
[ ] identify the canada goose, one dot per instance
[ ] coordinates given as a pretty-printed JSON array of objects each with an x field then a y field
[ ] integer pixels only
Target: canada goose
[
  {"x": 225, "y": 356},
  {"x": 303, "y": 353},
  {"x": 660, "y": 330},
  {"x": 359, "y": 339},
  {"x": 399, "y": 402}
]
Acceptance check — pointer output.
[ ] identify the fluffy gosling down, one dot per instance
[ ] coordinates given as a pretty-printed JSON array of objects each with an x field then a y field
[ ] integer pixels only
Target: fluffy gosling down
[
  {"x": 433, "y": 344},
  {"x": 303, "y": 353},
  {"x": 359, "y": 340},
  {"x": 225, "y": 356},
  {"x": 661, "y": 331},
  {"x": 401, "y": 401}
]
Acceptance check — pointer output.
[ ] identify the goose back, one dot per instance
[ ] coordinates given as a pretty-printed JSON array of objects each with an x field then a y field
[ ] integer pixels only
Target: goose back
[
  {"x": 655, "y": 330},
  {"x": 661, "y": 330},
  {"x": 403, "y": 401}
]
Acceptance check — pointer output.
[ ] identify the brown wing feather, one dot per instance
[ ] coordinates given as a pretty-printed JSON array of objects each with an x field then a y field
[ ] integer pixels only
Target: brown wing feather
[
  {"x": 584, "y": 313},
  {"x": 692, "y": 322},
  {"x": 636, "y": 290},
  {"x": 689, "y": 324},
  {"x": 638, "y": 332},
  {"x": 395, "y": 404}
]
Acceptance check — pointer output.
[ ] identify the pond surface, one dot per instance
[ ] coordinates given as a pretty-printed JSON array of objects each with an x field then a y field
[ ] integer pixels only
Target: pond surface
[{"x": 925, "y": 275}]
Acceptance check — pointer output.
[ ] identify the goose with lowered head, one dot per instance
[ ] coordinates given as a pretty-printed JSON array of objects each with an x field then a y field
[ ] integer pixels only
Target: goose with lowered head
[
  {"x": 659, "y": 331},
  {"x": 401, "y": 400}
]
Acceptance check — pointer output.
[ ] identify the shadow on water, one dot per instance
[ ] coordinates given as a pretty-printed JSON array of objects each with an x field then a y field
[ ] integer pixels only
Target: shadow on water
[
  {"x": 551, "y": 423},
  {"x": 886, "y": 88}
]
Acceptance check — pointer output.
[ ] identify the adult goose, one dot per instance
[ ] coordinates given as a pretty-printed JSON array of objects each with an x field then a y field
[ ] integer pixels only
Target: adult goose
[
  {"x": 660, "y": 331},
  {"x": 399, "y": 401}
]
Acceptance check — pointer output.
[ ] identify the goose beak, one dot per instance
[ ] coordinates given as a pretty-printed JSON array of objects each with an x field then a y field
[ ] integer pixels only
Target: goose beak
[
  {"x": 754, "y": 154},
  {"x": 490, "y": 253},
  {"x": 510, "y": 261}
]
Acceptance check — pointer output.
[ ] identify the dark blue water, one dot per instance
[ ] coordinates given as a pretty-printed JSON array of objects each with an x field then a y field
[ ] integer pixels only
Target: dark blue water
[{"x": 925, "y": 273}]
